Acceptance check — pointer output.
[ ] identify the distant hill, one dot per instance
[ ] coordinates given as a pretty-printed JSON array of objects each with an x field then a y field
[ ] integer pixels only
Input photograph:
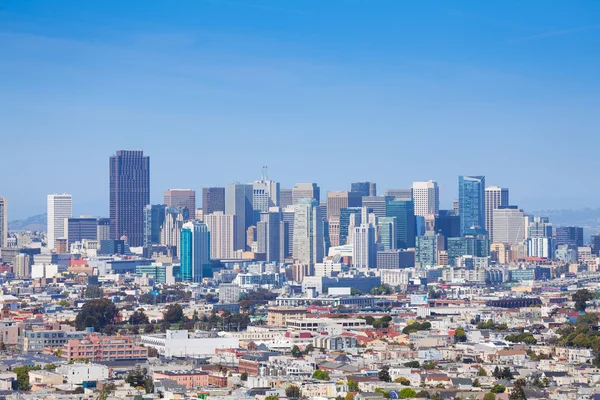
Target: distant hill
[{"x": 35, "y": 223}]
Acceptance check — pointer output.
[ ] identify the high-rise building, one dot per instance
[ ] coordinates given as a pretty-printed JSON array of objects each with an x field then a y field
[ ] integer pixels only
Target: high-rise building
[
  {"x": 596, "y": 244},
  {"x": 129, "y": 195},
  {"x": 78, "y": 229},
  {"x": 471, "y": 202},
  {"x": 334, "y": 231},
  {"x": 285, "y": 198},
  {"x": 539, "y": 227},
  {"x": 103, "y": 229},
  {"x": 309, "y": 246},
  {"x": 404, "y": 211},
  {"x": 154, "y": 218},
  {"x": 238, "y": 202},
  {"x": 213, "y": 200},
  {"x": 400, "y": 194},
  {"x": 364, "y": 251},
  {"x": 172, "y": 225},
  {"x": 22, "y": 265},
  {"x": 182, "y": 198},
  {"x": 427, "y": 248},
  {"x": 265, "y": 194},
  {"x": 508, "y": 224},
  {"x": 377, "y": 204},
  {"x": 386, "y": 232},
  {"x": 542, "y": 247},
  {"x": 426, "y": 196},
  {"x": 222, "y": 230},
  {"x": 345, "y": 223},
  {"x": 364, "y": 188},
  {"x": 269, "y": 237},
  {"x": 251, "y": 238},
  {"x": 306, "y": 191},
  {"x": 475, "y": 243},
  {"x": 3, "y": 222},
  {"x": 60, "y": 206},
  {"x": 495, "y": 197},
  {"x": 195, "y": 251},
  {"x": 455, "y": 207},
  {"x": 338, "y": 200},
  {"x": 447, "y": 224},
  {"x": 287, "y": 221},
  {"x": 61, "y": 245},
  {"x": 569, "y": 235}
]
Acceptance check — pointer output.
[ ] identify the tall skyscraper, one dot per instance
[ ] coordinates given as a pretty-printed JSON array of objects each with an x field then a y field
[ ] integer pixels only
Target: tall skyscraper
[
  {"x": 471, "y": 202},
  {"x": 400, "y": 194},
  {"x": 364, "y": 251},
  {"x": 238, "y": 202},
  {"x": 60, "y": 206},
  {"x": 569, "y": 235},
  {"x": 154, "y": 218},
  {"x": 182, "y": 198},
  {"x": 287, "y": 219},
  {"x": 338, "y": 200},
  {"x": 129, "y": 195},
  {"x": 285, "y": 198},
  {"x": 213, "y": 200},
  {"x": 3, "y": 222},
  {"x": 222, "y": 232},
  {"x": 77, "y": 229},
  {"x": 540, "y": 242},
  {"x": 269, "y": 235},
  {"x": 195, "y": 251},
  {"x": 265, "y": 194},
  {"x": 364, "y": 188},
  {"x": 306, "y": 191},
  {"x": 386, "y": 232},
  {"x": 508, "y": 224},
  {"x": 406, "y": 230},
  {"x": 345, "y": 217},
  {"x": 309, "y": 246},
  {"x": 170, "y": 233},
  {"x": 377, "y": 204},
  {"x": 426, "y": 196},
  {"x": 495, "y": 197},
  {"x": 103, "y": 229}
]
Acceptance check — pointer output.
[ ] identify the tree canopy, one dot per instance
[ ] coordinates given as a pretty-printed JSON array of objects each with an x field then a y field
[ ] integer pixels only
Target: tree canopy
[{"x": 97, "y": 313}]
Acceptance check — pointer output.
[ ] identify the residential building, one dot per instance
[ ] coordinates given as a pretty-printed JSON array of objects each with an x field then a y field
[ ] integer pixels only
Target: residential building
[
  {"x": 426, "y": 196},
  {"x": 309, "y": 245},
  {"x": 60, "y": 206},
  {"x": 182, "y": 343},
  {"x": 103, "y": 232},
  {"x": 306, "y": 191},
  {"x": 427, "y": 248},
  {"x": 495, "y": 197},
  {"x": 104, "y": 348},
  {"x": 192, "y": 379},
  {"x": 129, "y": 195},
  {"x": 222, "y": 234},
  {"x": 35, "y": 341},
  {"x": 229, "y": 293},
  {"x": 181, "y": 198},
  {"x": 78, "y": 373},
  {"x": 213, "y": 200},
  {"x": 195, "y": 251},
  {"x": 471, "y": 202},
  {"x": 238, "y": 202},
  {"x": 22, "y": 265}
]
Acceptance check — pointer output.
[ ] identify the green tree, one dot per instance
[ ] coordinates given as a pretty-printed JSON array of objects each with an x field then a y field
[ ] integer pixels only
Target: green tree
[
  {"x": 109, "y": 330},
  {"x": 79, "y": 390},
  {"x": 482, "y": 372},
  {"x": 476, "y": 383},
  {"x": 352, "y": 386},
  {"x": 489, "y": 396},
  {"x": 349, "y": 396},
  {"x": 407, "y": 393},
  {"x": 64, "y": 303},
  {"x": 581, "y": 297},
  {"x": 93, "y": 292},
  {"x": 96, "y": 313},
  {"x": 271, "y": 398},
  {"x": 320, "y": 375},
  {"x": 49, "y": 367},
  {"x": 518, "y": 392},
  {"x": 296, "y": 351},
  {"x": 293, "y": 392},
  {"x": 139, "y": 317},
  {"x": 587, "y": 319},
  {"x": 412, "y": 364},
  {"x": 174, "y": 313},
  {"x": 244, "y": 376},
  {"x": 384, "y": 374},
  {"x": 402, "y": 380},
  {"x": 23, "y": 375},
  {"x": 498, "y": 388},
  {"x": 149, "y": 328},
  {"x": 138, "y": 379},
  {"x": 460, "y": 335}
]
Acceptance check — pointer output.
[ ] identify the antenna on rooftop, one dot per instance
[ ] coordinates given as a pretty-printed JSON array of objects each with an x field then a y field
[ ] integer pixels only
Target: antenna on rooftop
[{"x": 265, "y": 174}]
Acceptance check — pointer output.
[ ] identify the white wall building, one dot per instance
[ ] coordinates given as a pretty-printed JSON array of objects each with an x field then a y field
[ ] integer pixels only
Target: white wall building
[
  {"x": 182, "y": 344},
  {"x": 44, "y": 271},
  {"x": 60, "y": 206},
  {"x": 364, "y": 250},
  {"x": 495, "y": 197},
  {"x": 309, "y": 246},
  {"x": 508, "y": 224},
  {"x": 222, "y": 230},
  {"x": 76, "y": 374},
  {"x": 426, "y": 196}
]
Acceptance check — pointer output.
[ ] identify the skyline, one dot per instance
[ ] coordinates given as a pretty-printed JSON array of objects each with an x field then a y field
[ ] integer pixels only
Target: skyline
[{"x": 229, "y": 86}]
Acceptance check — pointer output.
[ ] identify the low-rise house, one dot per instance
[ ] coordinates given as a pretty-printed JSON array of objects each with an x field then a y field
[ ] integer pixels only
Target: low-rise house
[{"x": 193, "y": 379}]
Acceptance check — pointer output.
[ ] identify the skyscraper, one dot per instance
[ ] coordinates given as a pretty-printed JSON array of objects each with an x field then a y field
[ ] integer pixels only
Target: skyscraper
[
  {"x": 406, "y": 230},
  {"x": 364, "y": 252},
  {"x": 222, "y": 232},
  {"x": 103, "y": 229},
  {"x": 213, "y": 200},
  {"x": 238, "y": 202},
  {"x": 426, "y": 196},
  {"x": 77, "y": 229},
  {"x": 154, "y": 218},
  {"x": 285, "y": 198},
  {"x": 3, "y": 222},
  {"x": 265, "y": 194},
  {"x": 377, "y": 204},
  {"x": 129, "y": 195},
  {"x": 60, "y": 206},
  {"x": 495, "y": 197},
  {"x": 364, "y": 188},
  {"x": 309, "y": 246},
  {"x": 386, "y": 232},
  {"x": 195, "y": 251},
  {"x": 471, "y": 202},
  {"x": 269, "y": 235},
  {"x": 172, "y": 225},
  {"x": 182, "y": 198},
  {"x": 287, "y": 220},
  {"x": 345, "y": 216},
  {"x": 569, "y": 235},
  {"x": 508, "y": 224},
  {"x": 338, "y": 200},
  {"x": 399, "y": 194},
  {"x": 306, "y": 191}
]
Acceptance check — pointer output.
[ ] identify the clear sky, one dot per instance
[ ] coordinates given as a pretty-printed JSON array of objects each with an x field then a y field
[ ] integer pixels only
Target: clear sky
[{"x": 325, "y": 91}]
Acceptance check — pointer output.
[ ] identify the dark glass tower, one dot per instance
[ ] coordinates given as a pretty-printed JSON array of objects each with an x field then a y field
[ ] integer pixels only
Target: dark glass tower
[
  {"x": 129, "y": 195},
  {"x": 406, "y": 229},
  {"x": 213, "y": 199}
]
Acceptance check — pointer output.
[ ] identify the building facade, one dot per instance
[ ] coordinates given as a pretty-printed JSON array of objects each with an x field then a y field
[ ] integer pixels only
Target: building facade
[
  {"x": 222, "y": 234},
  {"x": 495, "y": 197},
  {"x": 60, "y": 206},
  {"x": 471, "y": 202},
  {"x": 309, "y": 246},
  {"x": 426, "y": 196},
  {"x": 181, "y": 198},
  {"x": 195, "y": 251},
  {"x": 213, "y": 200},
  {"x": 306, "y": 191},
  {"x": 238, "y": 202}
]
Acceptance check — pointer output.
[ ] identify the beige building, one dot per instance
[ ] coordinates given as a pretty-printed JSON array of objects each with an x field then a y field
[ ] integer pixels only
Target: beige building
[
  {"x": 184, "y": 198},
  {"x": 222, "y": 230},
  {"x": 44, "y": 378},
  {"x": 342, "y": 199},
  {"x": 278, "y": 316}
]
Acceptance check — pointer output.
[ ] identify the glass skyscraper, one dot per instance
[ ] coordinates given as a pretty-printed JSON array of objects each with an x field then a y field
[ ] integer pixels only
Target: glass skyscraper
[
  {"x": 154, "y": 217},
  {"x": 404, "y": 211},
  {"x": 195, "y": 251},
  {"x": 345, "y": 214},
  {"x": 471, "y": 202}
]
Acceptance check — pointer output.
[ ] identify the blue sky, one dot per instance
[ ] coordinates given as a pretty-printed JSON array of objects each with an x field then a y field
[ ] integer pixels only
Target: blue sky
[{"x": 324, "y": 91}]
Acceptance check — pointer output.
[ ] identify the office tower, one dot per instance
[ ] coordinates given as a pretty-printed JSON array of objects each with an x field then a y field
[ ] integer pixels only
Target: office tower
[
  {"x": 238, "y": 202},
  {"x": 399, "y": 194},
  {"x": 222, "y": 231},
  {"x": 475, "y": 243},
  {"x": 3, "y": 222},
  {"x": 266, "y": 194},
  {"x": 447, "y": 224},
  {"x": 541, "y": 247},
  {"x": 595, "y": 239},
  {"x": 229, "y": 293},
  {"x": 309, "y": 246},
  {"x": 540, "y": 227},
  {"x": 287, "y": 224},
  {"x": 386, "y": 232},
  {"x": 171, "y": 228},
  {"x": 338, "y": 200},
  {"x": 377, "y": 204},
  {"x": 60, "y": 206},
  {"x": 569, "y": 235},
  {"x": 364, "y": 188},
  {"x": 110, "y": 247},
  {"x": 508, "y": 224},
  {"x": 199, "y": 214},
  {"x": 404, "y": 212},
  {"x": 345, "y": 222},
  {"x": 269, "y": 235},
  {"x": 334, "y": 231},
  {"x": 213, "y": 200},
  {"x": 78, "y": 229},
  {"x": 471, "y": 202},
  {"x": 495, "y": 197},
  {"x": 285, "y": 198},
  {"x": 427, "y": 248},
  {"x": 395, "y": 259},
  {"x": 251, "y": 238},
  {"x": 195, "y": 251},
  {"x": 103, "y": 232},
  {"x": 306, "y": 191},
  {"x": 455, "y": 207},
  {"x": 426, "y": 196},
  {"x": 182, "y": 198},
  {"x": 154, "y": 218},
  {"x": 61, "y": 245},
  {"x": 323, "y": 206},
  {"x": 22, "y": 266},
  {"x": 364, "y": 251},
  {"x": 129, "y": 195}
]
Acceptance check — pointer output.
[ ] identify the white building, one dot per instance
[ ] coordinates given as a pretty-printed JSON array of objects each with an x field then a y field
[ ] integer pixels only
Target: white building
[
  {"x": 495, "y": 197},
  {"x": 364, "y": 250},
  {"x": 60, "y": 206},
  {"x": 426, "y": 196},
  {"x": 265, "y": 194},
  {"x": 44, "y": 271},
  {"x": 76, "y": 374},
  {"x": 229, "y": 293},
  {"x": 182, "y": 344},
  {"x": 327, "y": 268},
  {"x": 508, "y": 224},
  {"x": 309, "y": 245},
  {"x": 222, "y": 230},
  {"x": 22, "y": 265},
  {"x": 540, "y": 247},
  {"x": 3, "y": 222},
  {"x": 305, "y": 191},
  {"x": 238, "y": 202}
]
